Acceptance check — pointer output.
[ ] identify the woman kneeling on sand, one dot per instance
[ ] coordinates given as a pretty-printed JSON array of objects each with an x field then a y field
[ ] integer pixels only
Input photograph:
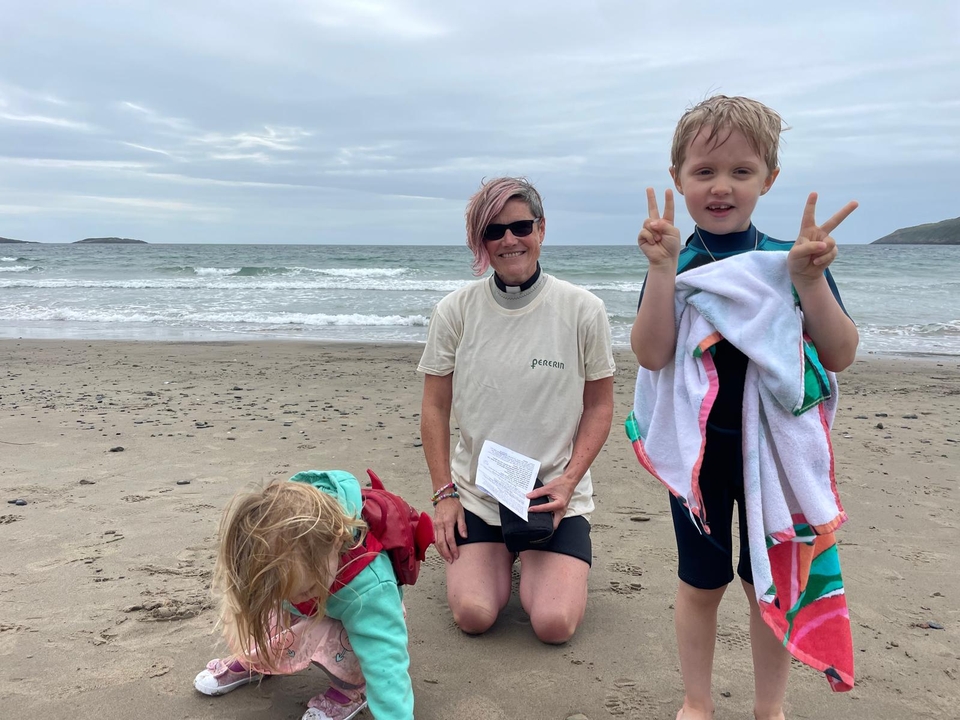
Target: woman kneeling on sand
[{"x": 523, "y": 360}]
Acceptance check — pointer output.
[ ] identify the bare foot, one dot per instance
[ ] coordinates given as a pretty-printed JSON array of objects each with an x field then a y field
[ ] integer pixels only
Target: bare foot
[
  {"x": 776, "y": 716},
  {"x": 686, "y": 713}
]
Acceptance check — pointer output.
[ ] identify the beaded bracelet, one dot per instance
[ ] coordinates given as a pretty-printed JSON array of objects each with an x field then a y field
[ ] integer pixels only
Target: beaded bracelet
[
  {"x": 441, "y": 491},
  {"x": 451, "y": 494}
]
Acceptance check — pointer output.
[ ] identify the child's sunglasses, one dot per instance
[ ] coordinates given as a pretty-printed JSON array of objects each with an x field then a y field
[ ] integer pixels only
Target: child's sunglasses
[{"x": 519, "y": 228}]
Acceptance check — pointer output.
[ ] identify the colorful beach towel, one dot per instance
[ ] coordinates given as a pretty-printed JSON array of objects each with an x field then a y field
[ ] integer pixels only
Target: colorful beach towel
[{"x": 792, "y": 502}]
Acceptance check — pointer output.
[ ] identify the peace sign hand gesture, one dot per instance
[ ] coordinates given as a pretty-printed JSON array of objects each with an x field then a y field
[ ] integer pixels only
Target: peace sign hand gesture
[
  {"x": 814, "y": 249},
  {"x": 659, "y": 239}
]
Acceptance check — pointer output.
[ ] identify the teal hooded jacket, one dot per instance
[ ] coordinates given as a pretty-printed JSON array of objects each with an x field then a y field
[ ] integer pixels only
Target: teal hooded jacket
[{"x": 370, "y": 608}]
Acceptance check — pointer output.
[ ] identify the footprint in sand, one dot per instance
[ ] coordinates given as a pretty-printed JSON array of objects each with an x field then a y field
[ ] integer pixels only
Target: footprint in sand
[
  {"x": 626, "y": 589},
  {"x": 134, "y": 498},
  {"x": 167, "y": 609},
  {"x": 627, "y": 699},
  {"x": 739, "y": 639},
  {"x": 625, "y": 568}
]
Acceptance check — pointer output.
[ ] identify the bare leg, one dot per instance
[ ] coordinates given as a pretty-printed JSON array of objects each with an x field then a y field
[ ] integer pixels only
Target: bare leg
[
  {"x": 695, "y": 618},
  {"x": 771, "y": 664},
  {"x": 553, "y": 591},
  {"x": 478, "y": 585}
]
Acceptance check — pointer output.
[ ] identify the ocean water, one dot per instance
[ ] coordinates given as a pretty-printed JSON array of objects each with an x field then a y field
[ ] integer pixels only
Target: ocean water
[{"x": 905, "y": 299}]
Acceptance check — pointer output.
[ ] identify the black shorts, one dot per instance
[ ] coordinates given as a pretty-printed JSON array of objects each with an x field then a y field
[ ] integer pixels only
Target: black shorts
[
  {"x": 705, "y": 561},
  {"x": 572, "y": 536}
]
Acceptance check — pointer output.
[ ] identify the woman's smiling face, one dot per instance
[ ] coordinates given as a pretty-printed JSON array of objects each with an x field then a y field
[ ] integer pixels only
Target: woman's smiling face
[{"x": 514, "y": 258}]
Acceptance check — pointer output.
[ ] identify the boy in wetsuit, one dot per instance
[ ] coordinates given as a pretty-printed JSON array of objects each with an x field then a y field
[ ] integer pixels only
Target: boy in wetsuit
[{"x": 724, "y": 157}]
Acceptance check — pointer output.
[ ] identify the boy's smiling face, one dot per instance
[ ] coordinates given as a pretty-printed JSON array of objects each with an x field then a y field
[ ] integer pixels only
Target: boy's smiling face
[{"x": 721, "y": 181}]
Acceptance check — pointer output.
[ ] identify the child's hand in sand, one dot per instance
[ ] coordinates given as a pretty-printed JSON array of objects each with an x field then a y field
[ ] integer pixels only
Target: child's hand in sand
[
  {"x": 659, "y": 239},
  {"x": 814, "y": 249}
]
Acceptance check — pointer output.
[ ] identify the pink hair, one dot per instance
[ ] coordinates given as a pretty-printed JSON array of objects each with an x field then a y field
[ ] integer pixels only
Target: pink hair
[{"x": 487, "y": 203}]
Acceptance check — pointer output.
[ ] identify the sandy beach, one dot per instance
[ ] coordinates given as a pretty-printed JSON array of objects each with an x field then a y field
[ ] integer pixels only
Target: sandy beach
[{"x": 125, "y": 454}]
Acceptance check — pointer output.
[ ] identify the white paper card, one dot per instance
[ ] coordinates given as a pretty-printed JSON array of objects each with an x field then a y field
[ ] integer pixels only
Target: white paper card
[{"x": 507, "y": 475}]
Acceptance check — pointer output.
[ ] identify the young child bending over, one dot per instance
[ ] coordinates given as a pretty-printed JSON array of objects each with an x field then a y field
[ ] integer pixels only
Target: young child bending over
[
  {"x": 724, "y": 158},
  {"x": 283, "y": 604}
]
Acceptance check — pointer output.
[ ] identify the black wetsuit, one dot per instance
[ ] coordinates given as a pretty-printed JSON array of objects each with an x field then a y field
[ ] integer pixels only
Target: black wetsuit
[{"x": 705, "y": 560}]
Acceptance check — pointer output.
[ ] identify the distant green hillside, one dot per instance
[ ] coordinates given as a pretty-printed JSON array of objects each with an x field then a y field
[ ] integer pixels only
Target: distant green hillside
[
  {"x": 110, "y": 241},
  {"x": 946, "y": 232},
  {"x": 9, "y": 240}
]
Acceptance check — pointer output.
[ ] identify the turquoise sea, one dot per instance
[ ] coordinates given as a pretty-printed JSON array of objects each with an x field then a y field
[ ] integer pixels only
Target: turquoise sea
[{"x": 905, "y": 299}]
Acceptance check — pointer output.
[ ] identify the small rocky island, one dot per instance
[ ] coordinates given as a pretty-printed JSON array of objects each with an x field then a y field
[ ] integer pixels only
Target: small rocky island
[
  {"x": 946, "y": 232},
  {"x": 110, "y": 241}
]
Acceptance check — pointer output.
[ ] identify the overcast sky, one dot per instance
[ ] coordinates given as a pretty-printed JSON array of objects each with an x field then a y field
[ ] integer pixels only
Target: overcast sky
[{"x": 372, "y": 121}]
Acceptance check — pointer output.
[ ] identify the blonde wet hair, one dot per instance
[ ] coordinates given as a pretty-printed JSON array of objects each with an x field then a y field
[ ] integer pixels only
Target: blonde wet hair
[
  {"x": 760, "y": 125},
  {"x": 273, "y": 540}
]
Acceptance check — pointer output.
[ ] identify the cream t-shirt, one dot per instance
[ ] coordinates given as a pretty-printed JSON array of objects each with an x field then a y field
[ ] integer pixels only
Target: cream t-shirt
[{"x": 518, "y": 378}]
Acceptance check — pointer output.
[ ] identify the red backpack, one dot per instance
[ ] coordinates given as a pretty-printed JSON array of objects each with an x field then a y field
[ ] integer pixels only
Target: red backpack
[{"x": 395, "y": 526}]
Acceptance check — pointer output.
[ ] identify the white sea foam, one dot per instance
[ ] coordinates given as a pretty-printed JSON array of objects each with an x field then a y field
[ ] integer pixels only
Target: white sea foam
[
  {"x": 626, "y": 287},
  {"x": 309, "y": 319},
  {"x": 214, "y": 271},
  {"x": 240, "y": 283},
  {"x": 118, "y": 315},
  {"x": 80, "y": 316},
  {"x": 937, "y": 329},
  {"x": 17, "y": 268},
  {"x": 354, "y": 272},
  {"x": 259, "y": 270}
]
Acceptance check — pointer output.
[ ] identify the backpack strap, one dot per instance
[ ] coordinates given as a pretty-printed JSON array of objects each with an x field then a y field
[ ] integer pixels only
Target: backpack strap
[{"x": 353, "y": 561}]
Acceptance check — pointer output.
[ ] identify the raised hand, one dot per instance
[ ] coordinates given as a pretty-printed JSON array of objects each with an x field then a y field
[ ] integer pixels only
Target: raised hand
[
  {"x": 659, "y": 239},
  {"x": 815, "y": 249}
]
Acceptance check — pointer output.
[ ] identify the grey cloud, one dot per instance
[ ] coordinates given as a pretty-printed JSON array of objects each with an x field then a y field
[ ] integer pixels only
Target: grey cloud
[{"x": 373, "y": 121}]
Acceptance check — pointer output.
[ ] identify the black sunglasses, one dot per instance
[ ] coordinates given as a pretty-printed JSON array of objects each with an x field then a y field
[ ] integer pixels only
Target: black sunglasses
[{"x": 519, "y": 228}]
